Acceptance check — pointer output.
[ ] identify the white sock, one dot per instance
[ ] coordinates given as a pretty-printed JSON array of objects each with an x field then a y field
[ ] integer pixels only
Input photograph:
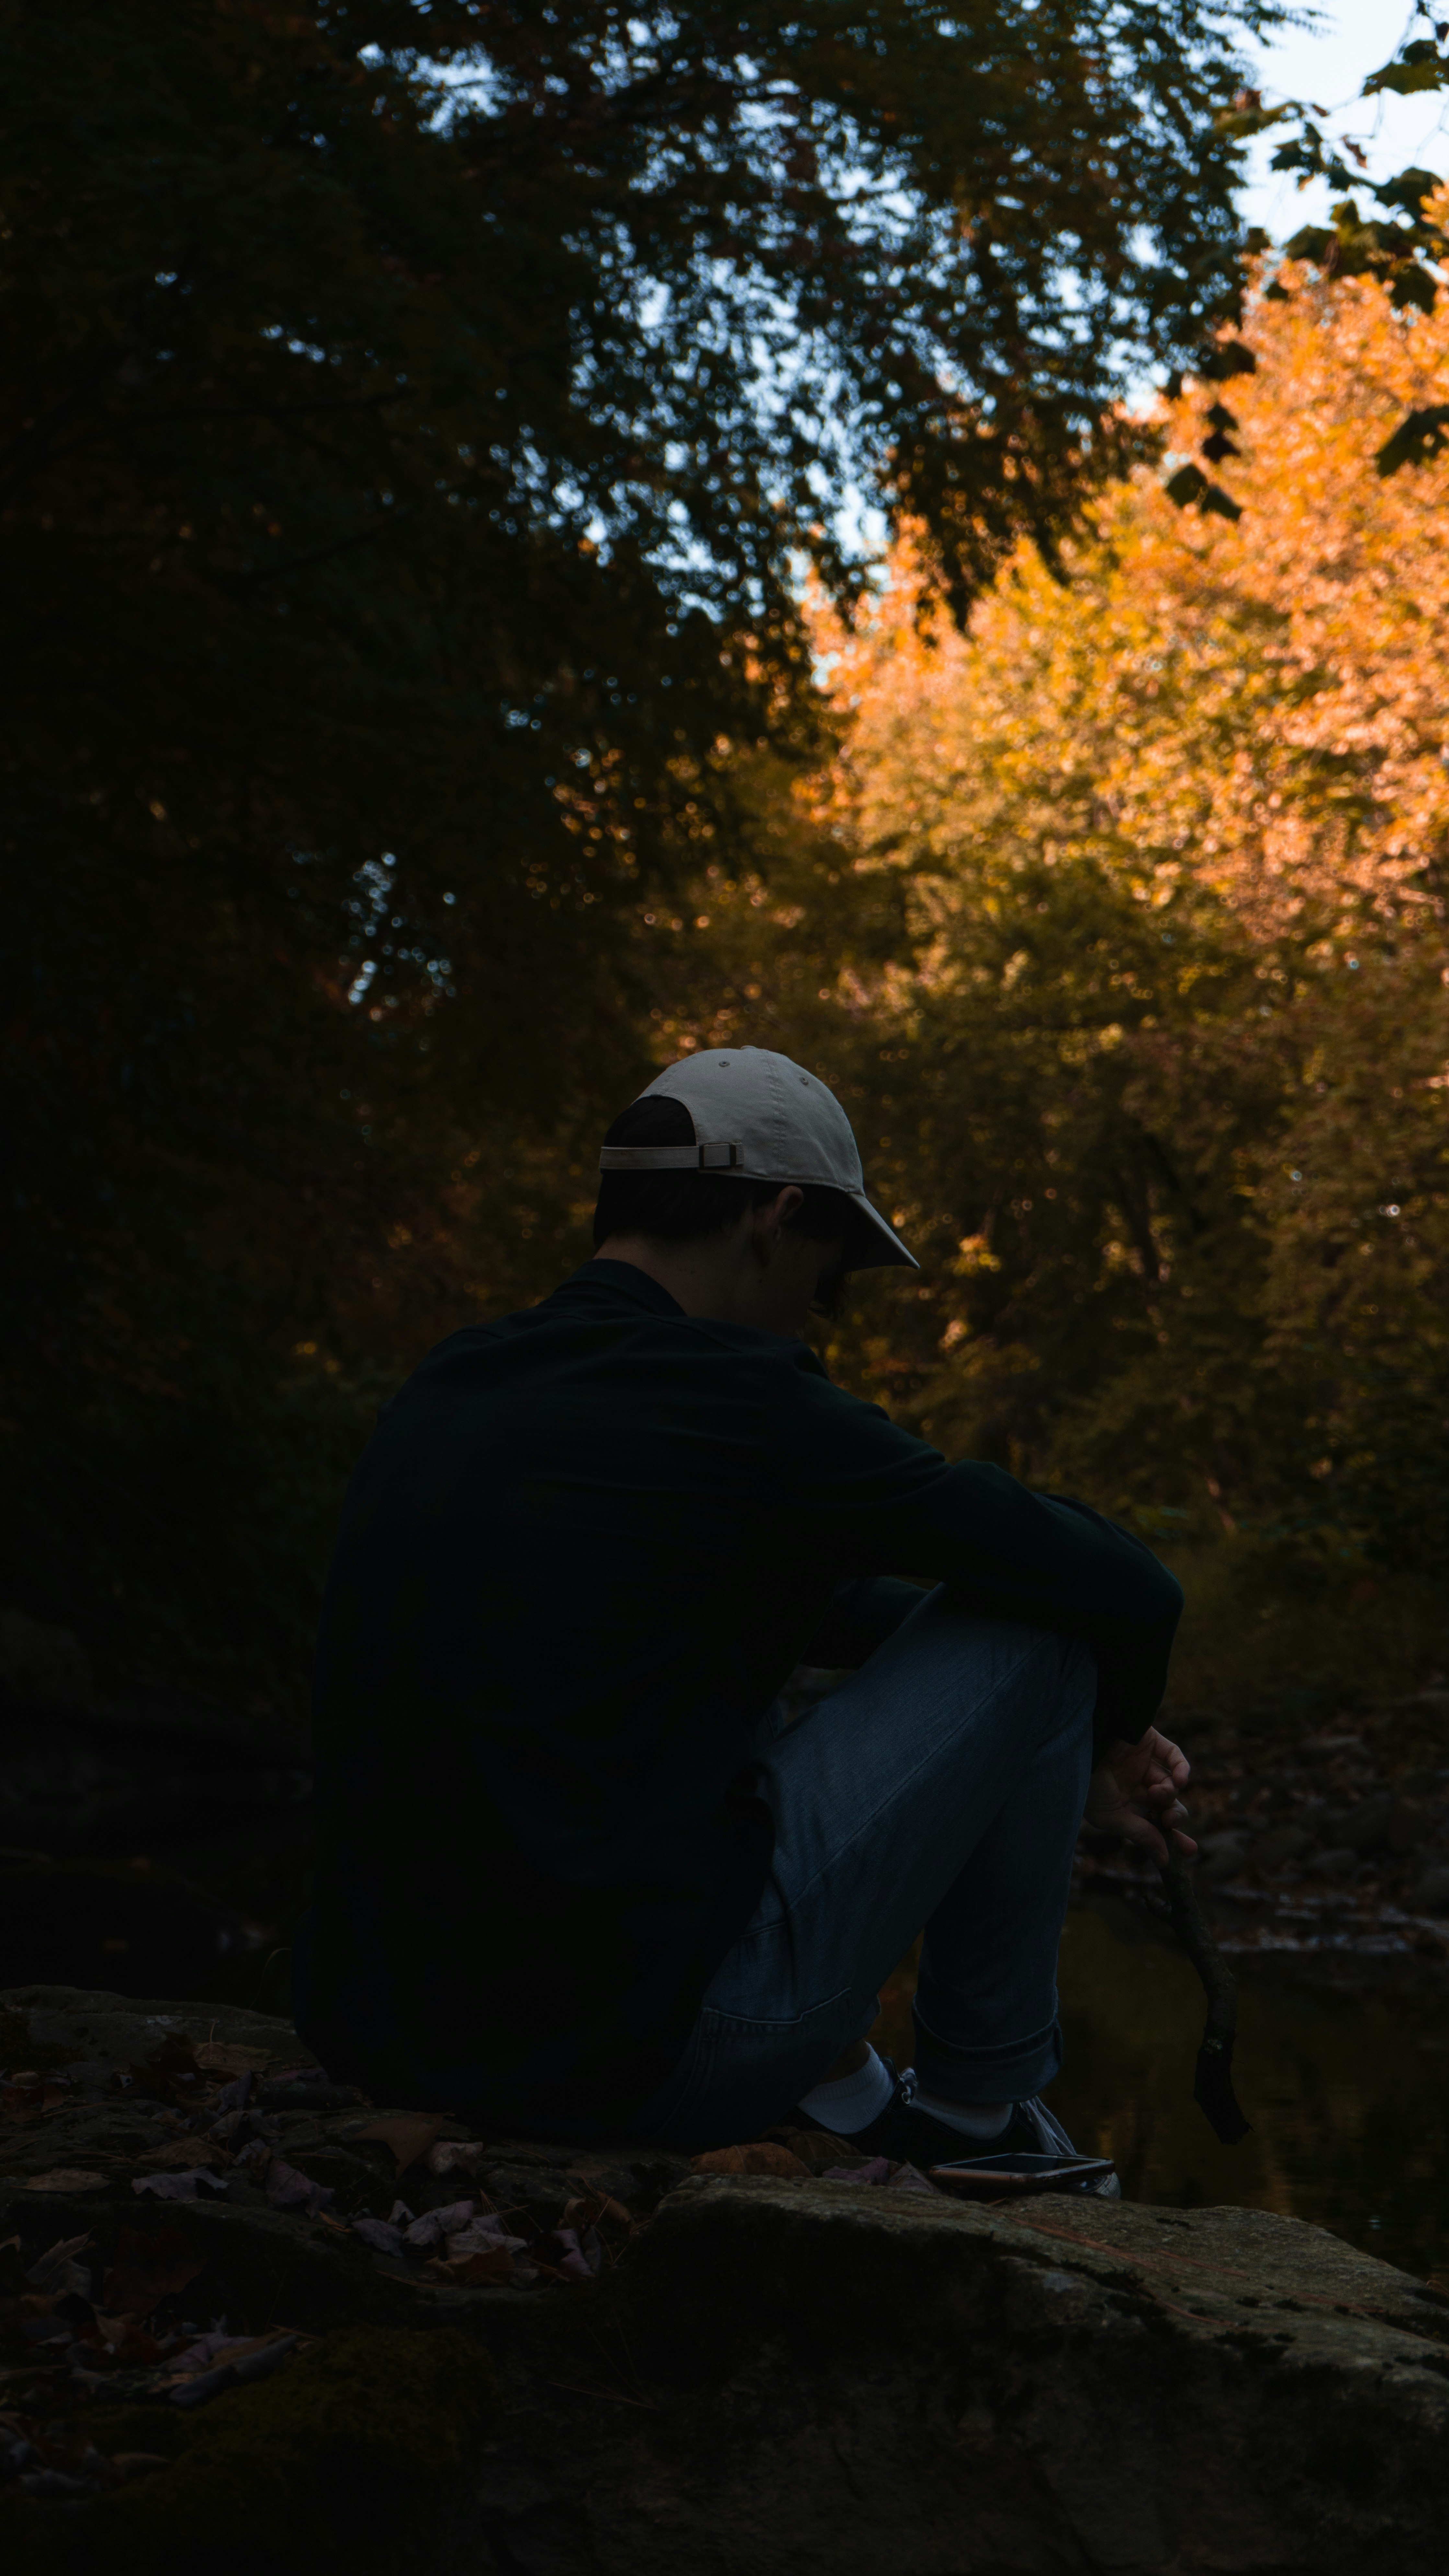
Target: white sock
[
  {"x": 974, "y": 2119},
  {"x": 852, "y": 2101}
]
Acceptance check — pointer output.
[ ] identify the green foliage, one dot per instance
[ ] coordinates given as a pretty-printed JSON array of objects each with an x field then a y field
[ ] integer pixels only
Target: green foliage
[
  {"x": 1299, "y": 1630},
  {"x": 1420, "y": 67},
  {"x": 1404, "y": 248},
  {"x": 1088, "y": 1125}
]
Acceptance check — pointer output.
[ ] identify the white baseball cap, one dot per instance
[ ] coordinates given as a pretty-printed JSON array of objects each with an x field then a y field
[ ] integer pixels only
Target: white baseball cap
[{"x": 761, "y": 1117}]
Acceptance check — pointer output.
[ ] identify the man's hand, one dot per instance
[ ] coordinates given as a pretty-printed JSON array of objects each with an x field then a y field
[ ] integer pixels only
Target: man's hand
[{"x": 1136, "y": 1793}]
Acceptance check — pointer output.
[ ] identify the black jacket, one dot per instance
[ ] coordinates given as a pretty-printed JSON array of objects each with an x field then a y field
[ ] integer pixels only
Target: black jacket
[{"x": 578, "y": 1560}]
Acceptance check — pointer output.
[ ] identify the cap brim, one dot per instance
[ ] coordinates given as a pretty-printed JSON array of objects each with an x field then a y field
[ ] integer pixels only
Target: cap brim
[{"x": 875, "y": 1245}]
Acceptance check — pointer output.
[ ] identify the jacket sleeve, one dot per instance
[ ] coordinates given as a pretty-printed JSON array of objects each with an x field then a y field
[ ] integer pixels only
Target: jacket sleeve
[{"x": 878, "y": 1501}]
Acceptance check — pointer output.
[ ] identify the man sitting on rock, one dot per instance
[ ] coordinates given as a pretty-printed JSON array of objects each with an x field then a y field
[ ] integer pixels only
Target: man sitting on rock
[{"x": 578, "y": 1872}]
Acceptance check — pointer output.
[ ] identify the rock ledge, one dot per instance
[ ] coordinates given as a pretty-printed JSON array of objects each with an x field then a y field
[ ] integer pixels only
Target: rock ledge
[{"x": 766, "y": 2378}]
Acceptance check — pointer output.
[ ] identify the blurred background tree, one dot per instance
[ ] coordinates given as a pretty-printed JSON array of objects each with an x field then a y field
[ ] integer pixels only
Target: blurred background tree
[
  {"x": 1132, "y": 905},
  {"x": 415, "y": 423}
]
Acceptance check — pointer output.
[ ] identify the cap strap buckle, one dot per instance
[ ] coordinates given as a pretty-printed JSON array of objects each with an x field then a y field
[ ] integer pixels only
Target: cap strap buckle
[{"x": 671, "y": 1158}]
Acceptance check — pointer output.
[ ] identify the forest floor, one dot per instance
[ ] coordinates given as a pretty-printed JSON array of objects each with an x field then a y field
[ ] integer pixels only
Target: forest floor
[{"x": 1316, "y": 1718}]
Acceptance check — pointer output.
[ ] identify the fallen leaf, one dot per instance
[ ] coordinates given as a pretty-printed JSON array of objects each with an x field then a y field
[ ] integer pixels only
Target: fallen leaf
[
  {"x": 409, "y": 2135},
  {"x": 376, "y": 2232},
  {"x": 455, "y": 2155},
  {"x": 910, "y": 2178},
  {"x": 763, "y": 2157},
  {"x": 66, "y": 2178},
  {"x": 148, "y": 2266},
  {"x": 567, "y": 2258},
  {"x": 184, "y": 2154},
  {"x": 481, "y": 2235},
  {"x": 474, "y": 2271},
  {"x": 124, "y": 2337},
  {"x": 179, "y": 2186},
  {"x": 255, "y": 2358},
  {"x": 59, "y": 2271},
  {"x": 435, "y": 2224},
  {"x": 597, "y": 2209},
  {"x": 22, "y": 2103},
  {"x": 871, "y": 2169},
  {"x": 289, "y": 2189},
  {"x": 173, "y": 2072},
  {"x": 227, "y": 2057},
  {"x": 202, "y": 2353},
  {"x": 817, "y": 2150}
]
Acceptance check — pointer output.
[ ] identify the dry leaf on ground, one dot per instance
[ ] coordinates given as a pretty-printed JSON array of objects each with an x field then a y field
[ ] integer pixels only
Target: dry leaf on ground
[
  {"x": 66, "y": 2178},
  {"x": 251, "y": 2357},
  {"x": 184, "y": 2154},
  {"x": 379, "y": 2234},
  {"x": 455, "y": 2155},
  {"x": 597, "y": 2209},
  {"x": 124, "y": 2339},
  {"x": 148, "y": 2268},
  {"x": 910, "y": 2178},
  {"x": 180, "y": 2186},
  {"x": 22, "y": 2103},
  {"x": 289, "y": 2189},
  {"x": 409, "y": 2135},
  {"x": 173, "y": 2073},
  {"x": 436, "y": 2224},
  {"x": 817, "y": 2149},
  {"x": 59, "y": 2271},
  {"x": 762, "y": 2157},
  {"x": 227, "y": 2057},
  {"x": 477, "y": 2270}
]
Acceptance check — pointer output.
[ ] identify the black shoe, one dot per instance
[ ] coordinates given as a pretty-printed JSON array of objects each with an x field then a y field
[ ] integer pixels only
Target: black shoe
[{"x": 910, "y": 2136}]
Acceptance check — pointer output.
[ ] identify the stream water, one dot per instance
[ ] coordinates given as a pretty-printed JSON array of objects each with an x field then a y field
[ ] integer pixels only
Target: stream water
[{"x": 1342, "y": 2066}]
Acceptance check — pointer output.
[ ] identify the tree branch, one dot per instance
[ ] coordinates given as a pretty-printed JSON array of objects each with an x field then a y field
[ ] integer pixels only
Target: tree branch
[{"x": 1213, "y": 2082}]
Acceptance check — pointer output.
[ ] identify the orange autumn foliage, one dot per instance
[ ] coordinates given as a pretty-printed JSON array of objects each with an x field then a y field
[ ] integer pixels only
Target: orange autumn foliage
[
  {"x": 1156, "y": 1064},
  {"x": 1261, "y": 702}
]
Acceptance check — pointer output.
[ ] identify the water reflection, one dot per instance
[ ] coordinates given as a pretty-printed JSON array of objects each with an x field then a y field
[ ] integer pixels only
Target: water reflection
[{"x": 1343, "y": 2069}]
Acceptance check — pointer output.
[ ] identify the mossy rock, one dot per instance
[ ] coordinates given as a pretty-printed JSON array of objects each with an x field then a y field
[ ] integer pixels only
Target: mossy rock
[
  {"x": 770, "y": 2377},
  {"x": 47, "y": 2026},
  {"x": 345, "y": 2457}
]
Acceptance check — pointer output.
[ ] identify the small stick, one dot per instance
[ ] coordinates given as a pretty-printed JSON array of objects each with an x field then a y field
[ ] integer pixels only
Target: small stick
[{"x": 1213, "y": 2083}]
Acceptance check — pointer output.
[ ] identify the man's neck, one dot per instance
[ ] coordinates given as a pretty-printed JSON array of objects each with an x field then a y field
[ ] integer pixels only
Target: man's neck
[
  {"x": 694, "y": 1274},
  {"x": 760, "y": 1271}
]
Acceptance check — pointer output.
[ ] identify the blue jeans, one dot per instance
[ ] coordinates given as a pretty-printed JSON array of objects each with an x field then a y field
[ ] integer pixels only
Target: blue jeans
[{"x": 943, "y": 1786}]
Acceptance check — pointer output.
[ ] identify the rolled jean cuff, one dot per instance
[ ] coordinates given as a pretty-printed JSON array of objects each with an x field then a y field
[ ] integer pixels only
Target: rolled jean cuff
[{"x": 971, "y": 2075}]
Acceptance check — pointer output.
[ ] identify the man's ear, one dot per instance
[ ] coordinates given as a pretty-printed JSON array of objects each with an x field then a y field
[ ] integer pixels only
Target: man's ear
[{"x": 772, "y": 1219}]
